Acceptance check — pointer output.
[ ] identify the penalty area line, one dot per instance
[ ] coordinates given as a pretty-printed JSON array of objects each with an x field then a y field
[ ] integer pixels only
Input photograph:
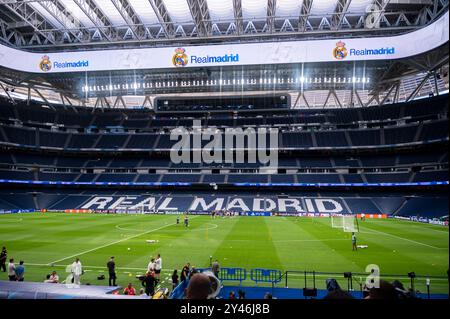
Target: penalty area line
[{"x": 406, "y": 239}]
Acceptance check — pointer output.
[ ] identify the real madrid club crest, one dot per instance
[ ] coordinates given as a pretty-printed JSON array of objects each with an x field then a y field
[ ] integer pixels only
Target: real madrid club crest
[
  {"x": 179, "y": 58},
  {"x": 45, "y": 64},
  {"x": 340, "y": 51}
]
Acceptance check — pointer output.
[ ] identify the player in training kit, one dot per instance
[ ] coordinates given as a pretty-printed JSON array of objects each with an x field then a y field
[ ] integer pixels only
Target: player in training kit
[
  {"x": 186, "y": 221},
  {"x": 178, "y": 220},
  {"x": 354, "y": 247}
]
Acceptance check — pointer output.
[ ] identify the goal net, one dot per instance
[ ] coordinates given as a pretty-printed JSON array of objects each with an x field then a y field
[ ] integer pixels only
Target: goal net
[
  {"x": 336, "y": 222},
  {"x": 348, "y": 223}
]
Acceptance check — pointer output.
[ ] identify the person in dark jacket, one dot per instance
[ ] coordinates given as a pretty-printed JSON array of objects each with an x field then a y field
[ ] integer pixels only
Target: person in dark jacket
[
  {"x": 149, "y": 283},
  {"x": 3, "y": 257},
  {"x": 112, "y": 271},
  {"x": 185, "y": 272},
  {"x": 174, "y": 279}
]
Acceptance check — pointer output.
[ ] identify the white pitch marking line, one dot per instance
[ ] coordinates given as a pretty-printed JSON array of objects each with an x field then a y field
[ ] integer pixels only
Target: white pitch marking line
[
  {"x": 410, "y": 240},
  {"x": 13, "y": 220},
  {"x": 295, "y": 240},
  {"x": 429, "y": 228},
  {"x": 110, "y": 244}
]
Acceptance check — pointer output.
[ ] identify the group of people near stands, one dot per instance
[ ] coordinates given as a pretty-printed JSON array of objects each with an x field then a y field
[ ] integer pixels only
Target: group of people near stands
[
  {"x": 149, "y": 281},
  {"x": 15, "y": 273}
]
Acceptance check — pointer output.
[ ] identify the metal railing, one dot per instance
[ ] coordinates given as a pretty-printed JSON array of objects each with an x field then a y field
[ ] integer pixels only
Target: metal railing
[{"x": 419, "y": 285}]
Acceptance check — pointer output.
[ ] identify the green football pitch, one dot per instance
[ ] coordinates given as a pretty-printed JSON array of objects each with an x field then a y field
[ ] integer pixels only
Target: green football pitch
[{"x": 51, "y": 241}]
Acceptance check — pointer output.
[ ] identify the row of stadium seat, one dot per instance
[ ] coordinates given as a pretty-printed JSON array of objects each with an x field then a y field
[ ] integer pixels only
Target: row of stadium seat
[
  {"x": 430, "y": 131},
  {"x": 394, "y": 177},
  {"x": 144, "y": 118},
  {"x": 361, "y": 161}
]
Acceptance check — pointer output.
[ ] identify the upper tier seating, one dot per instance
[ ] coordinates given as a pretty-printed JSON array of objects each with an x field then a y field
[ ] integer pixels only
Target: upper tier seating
[
  {"x": 145, "y": 162},
  {"x": 21, "y": 136},
  {"x": 139, "y": 118}
]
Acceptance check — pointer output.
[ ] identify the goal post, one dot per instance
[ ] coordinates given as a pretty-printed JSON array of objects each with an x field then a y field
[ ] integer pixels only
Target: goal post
[
  {"x": 348, "y": 223},
  {"x": 337, "y": 222}
]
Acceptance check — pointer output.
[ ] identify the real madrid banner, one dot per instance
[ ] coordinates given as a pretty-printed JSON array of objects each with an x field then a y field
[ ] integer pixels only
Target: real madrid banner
[{"x": 337, "y": 50}]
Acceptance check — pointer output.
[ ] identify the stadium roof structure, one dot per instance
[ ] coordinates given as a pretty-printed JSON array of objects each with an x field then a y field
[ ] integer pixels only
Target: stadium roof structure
[
  {"x": 71, "y": 25},
  {"x": 50, "y": 24}
]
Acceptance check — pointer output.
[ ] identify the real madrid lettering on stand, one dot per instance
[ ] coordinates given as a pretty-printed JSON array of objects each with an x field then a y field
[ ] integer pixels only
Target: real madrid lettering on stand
[
  {"x": 215, "y": 59},
  {"x": 77, "y": 64},
  {"x": 46, "y": 65},
  {"x": 340, "y": 52},
  {"x": 180, "y": 58},
  {"x": 372, "y": 51},
  {"x": 252, "y": 205}
]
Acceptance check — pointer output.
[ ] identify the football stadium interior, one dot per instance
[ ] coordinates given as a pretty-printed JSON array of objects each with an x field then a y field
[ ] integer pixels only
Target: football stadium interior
[{"x": 286, "y": 148}]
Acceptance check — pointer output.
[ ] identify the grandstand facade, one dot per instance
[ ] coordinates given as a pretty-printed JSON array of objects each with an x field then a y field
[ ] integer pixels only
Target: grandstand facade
[{"x": 400, "y": 146}]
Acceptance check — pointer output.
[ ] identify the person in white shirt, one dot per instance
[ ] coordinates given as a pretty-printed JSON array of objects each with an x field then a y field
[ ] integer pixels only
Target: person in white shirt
[
  {"x": 77, "y": 271},
  {"x": 151, "y": 265},
  {"x": 53, "y": 278},
  {"x": 158, "y": 267},
  {"x": 11, "y": 270}
]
